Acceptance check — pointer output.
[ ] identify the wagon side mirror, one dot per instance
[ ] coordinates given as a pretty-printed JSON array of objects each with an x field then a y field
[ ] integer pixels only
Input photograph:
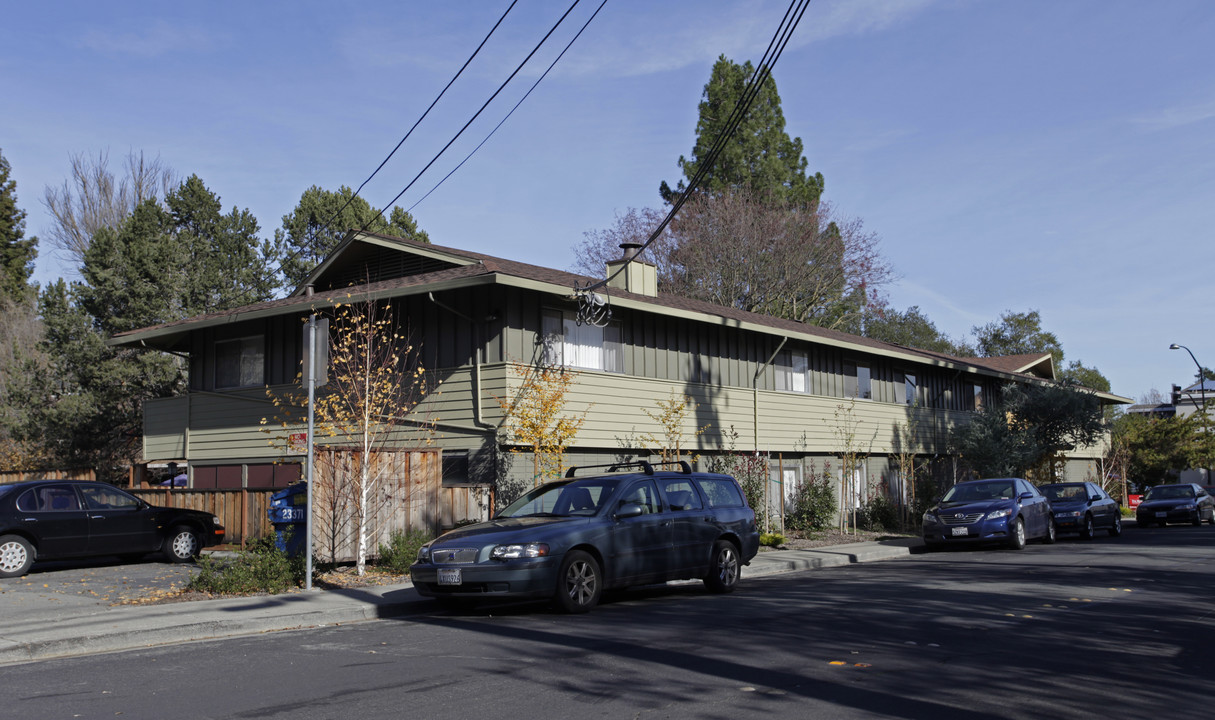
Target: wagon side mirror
[{"x": 628, "y": 510}]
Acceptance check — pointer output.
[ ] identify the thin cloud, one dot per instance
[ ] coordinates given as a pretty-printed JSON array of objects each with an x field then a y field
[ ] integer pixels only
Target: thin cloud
[
  {"x": 157, "y": 39},
  {"x": 1177, "y": 116},
  {"x": 623, "y": 42}
]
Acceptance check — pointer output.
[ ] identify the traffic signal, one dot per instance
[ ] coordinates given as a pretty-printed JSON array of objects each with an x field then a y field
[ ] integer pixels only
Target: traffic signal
[{"x": 1176, "y": 395}]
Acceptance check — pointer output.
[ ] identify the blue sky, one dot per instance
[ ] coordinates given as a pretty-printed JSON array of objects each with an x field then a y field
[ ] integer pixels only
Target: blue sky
[{"x": 1056, "y": 155}]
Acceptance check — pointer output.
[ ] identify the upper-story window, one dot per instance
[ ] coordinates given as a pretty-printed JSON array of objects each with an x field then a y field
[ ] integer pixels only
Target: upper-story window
[
  {"x": 240, "y": 363},
  {"x": 793, "y": 372},
  {"x": 911, "y": 389},
  {"x": 586, "y": 346},
  {"x": 860, "y": 383},
  {"x": 976, "y": 393}
]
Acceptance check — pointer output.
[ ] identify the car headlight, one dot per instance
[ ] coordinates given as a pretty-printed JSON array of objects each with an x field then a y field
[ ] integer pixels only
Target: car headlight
[
  {"x": 424, "y": 553},
  {"x": 997, "y": 514},
  {"x": 929, "y": 517},
  {"x": 1190, "y": 506},
  {"x": 511, "y": 552}
]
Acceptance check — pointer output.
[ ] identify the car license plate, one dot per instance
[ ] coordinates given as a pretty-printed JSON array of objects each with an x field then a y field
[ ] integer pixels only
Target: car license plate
[
  {"x": 449, "y": 576},
  {"x": 1162, "y": 514},
  {"x": 961, "y": 531}
]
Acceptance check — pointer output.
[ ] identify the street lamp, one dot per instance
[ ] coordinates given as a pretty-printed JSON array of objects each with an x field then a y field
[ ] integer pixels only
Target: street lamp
[{"x": 1202, "y": 388}]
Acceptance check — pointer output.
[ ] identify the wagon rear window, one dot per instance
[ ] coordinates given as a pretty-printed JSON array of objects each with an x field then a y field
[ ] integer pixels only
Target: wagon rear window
[{"x": 720, "y": 492}]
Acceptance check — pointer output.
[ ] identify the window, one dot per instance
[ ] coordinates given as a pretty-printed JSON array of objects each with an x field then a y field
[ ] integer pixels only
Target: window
[
  {"x": 976, "y": 392},
  {"x": 680, "y": 494},
  {"x": 642, "y": 494},
  {"x": 585, "y": 346},
  {"x": 911, "y": 389},
  {"x": 793, "y": 372},
  {"x": 720, "y": 492},
  {"x": 455, "y": 468},
  {"x": 240, "y": 363},
  {"x": 864, "y": 387},
  {"x": 105, "y": 497}
]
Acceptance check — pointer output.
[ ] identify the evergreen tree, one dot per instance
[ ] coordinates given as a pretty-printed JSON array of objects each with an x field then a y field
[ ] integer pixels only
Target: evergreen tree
[
  {"x": 760, "y": 156},
  {"x": 1017, "y": 334},
  {"x": 228, "y": 265},
  {"x": 17, "y": 253},
  {"x": 308, "y": 235},
  {"x": 910, "y": 328}
]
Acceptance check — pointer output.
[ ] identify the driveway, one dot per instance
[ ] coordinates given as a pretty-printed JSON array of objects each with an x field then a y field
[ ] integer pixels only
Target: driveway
[{"x": 97, "y": 582}]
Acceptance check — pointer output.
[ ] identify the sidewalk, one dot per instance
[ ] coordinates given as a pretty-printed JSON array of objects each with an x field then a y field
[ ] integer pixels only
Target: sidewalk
[{"x": 65, "y": 631}]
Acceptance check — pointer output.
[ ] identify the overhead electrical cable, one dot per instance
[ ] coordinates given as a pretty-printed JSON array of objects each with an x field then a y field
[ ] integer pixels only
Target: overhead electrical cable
[
  {"x": 512, "y": 110},
  {"x": 324, "y": 226},
  {"x": 424, "y": 114},
  {"x": 590, "y": 307},
  {"x": 478, "y": 113}
]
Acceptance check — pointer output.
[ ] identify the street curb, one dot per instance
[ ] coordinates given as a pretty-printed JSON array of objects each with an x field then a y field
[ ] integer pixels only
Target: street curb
[{"x": 137, "y": 627}]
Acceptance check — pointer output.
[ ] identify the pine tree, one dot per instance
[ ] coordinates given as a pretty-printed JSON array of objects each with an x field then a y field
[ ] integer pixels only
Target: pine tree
[
  {"x": 320, "y": 221},
  {"x": 760, "y": 156},
  {"x": 17, "y": 253}
]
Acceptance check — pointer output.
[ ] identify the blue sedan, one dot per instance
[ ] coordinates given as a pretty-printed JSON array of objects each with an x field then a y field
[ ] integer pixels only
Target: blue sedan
[
  {"x": 571, "y": 539},
  {"x": 1006, "y": 510},
  {"x": 1084, "y": 508}
]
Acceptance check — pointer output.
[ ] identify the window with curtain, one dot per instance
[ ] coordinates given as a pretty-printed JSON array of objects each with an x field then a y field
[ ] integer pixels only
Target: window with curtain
[
  {"x": 587, "y": 347},
  {"x": 793, "y": 372}
]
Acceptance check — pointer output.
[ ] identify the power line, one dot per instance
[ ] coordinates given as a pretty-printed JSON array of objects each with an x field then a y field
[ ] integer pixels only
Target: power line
[
  {"x": 325, "y": 226},
  {"x": 476, "y": 114},
  {"x": 588, "y": 305},
  {"x": 512, "y": 110}
]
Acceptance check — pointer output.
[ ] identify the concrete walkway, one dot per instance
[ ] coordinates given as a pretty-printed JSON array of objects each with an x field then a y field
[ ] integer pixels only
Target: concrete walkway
[{"x": 70, "y": 630}]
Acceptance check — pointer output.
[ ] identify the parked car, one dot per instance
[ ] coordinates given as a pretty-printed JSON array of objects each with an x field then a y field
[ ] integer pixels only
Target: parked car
[
  {"x": 1007, "y": 510},
  {"x": 1174, "y": 503},
  {"x": 1083, "y": 507},
  {"x": 56, "y": 519},
  {"x": 571, "y": 539}
]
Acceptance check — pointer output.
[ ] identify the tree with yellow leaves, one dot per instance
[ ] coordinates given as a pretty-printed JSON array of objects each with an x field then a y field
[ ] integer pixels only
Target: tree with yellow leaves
[
  {"x": 535, "y": 420},
  {"x": 376, "y": 381},
  {"x": 671, "y": 417}
]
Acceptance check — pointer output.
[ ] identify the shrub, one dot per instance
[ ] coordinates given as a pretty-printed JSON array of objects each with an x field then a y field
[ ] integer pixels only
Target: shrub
[
  {"x": 401, "y": 550},
  {"x": 813, "y": 505},
  {"x": 878, "y": 513},
  {"x": 771, "y": 539},
  {"x": 260, "y": 568}
]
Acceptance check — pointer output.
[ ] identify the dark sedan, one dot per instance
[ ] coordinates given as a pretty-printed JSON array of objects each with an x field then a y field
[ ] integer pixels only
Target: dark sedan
[
  {"x": 571, "y": 539},
  {"x": 1175, "y": 503},
  {"x": 1084, "y": 508},
  {"x": 57, "y": 519},
  {"x": 1007, "y": 510}
]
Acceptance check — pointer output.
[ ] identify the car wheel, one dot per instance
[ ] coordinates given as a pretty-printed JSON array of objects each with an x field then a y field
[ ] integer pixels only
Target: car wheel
[
  {"x": 16, "y": 556},
  {"x": 1016, "y": 534},
  {"x": 1086, "y": 531},
  {"x": 1052, "y": 533},
  {"x": 182, "y": 545},
  {"x": 725, "y": 570},
  {"x": 1116, "y": 528},
  {"x": 1212, "y": 519},
  {"x": 579, "y": 584}
]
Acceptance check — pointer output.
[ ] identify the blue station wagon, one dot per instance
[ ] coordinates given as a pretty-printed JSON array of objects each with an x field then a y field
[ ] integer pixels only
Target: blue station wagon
[{"x": 571, "y": 539}]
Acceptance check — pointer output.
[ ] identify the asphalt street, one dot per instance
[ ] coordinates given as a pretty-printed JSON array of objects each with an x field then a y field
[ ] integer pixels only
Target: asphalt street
[{"x": 1107, "y": 627}]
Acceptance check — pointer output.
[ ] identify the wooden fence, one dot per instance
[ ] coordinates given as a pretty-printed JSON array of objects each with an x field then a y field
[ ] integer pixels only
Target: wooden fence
[
  {"x": 16, "y": 476},
  {"x": 412, "y": 499},
  {"x": 242, "y": 512}
]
